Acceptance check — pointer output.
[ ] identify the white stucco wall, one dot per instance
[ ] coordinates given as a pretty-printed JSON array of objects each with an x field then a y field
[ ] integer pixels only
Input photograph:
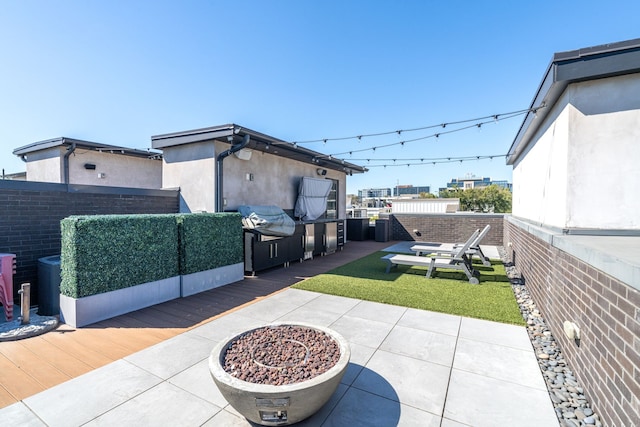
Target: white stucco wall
[
  {"x": 583, "y": 169},
  {"x": 115, "y": 170},
  {"x": 275, "y": 181},
  {"x": 540, "y": 178},
  {"x": 604, "y": 155},
  {"x": 45, "y": 165},
  {"x": 191, "y": 168}
]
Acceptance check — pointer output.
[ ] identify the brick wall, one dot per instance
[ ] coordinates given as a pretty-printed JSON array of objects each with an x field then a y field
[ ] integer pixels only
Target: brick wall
[
  {"x": 607, "y": 359},
  {"x": 30, "y": 214},
  {"x": 446, "y": 227}
]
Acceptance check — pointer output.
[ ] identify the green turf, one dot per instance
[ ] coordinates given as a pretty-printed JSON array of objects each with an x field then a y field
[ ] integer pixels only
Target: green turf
[{"x": 447, "y": 292}]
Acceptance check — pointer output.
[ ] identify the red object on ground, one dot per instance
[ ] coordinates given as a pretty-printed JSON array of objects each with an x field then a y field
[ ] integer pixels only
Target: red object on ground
[{"x": 7, "y": 270}]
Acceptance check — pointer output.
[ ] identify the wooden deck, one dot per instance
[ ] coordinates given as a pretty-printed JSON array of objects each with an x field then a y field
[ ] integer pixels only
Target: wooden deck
[{"x": 32, "y": 365}]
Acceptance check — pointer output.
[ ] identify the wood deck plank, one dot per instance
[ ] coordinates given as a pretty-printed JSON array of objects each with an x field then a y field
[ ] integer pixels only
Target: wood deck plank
[
  {"x": 78, "y": 347},
  {"x": 6, "y": 398},
  {"x": 17, "y": 382},
  {"x": 57, "y": 357},
  {"x": 32, "y": 365}
]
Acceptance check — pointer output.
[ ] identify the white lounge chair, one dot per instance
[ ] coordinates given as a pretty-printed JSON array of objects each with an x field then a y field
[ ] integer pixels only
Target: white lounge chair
[
  {"x": 474, "y": 247},
  {"x": 457, "y": 261}
]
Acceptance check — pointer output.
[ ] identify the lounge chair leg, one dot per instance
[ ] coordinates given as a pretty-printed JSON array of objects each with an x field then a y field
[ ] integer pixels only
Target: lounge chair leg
[
  {"x": 389, "y": 266},
  {"x": 430, "y": 270}
]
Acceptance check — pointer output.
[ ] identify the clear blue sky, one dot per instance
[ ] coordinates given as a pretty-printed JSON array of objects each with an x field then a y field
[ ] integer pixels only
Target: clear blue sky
[{"x": 118, "y": 72}]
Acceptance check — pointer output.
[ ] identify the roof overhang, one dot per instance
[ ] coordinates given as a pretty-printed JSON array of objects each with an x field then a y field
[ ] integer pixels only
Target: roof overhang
[
  {"x": 88, "y": 145},
  {"x": 233, "y": 133},
  {"x": 574, "y": 66}
]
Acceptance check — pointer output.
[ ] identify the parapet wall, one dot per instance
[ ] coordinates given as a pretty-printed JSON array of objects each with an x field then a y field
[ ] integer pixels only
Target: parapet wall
[{"x": 446, "y": 227}]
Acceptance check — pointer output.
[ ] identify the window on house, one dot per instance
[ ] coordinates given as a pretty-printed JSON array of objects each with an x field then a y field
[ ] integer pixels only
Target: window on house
[{"x": 332, "y": 201}]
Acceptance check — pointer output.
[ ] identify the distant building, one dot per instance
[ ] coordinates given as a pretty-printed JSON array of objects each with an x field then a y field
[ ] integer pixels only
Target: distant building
[
  {"x": 410, "y": 190},
  {"x": 472, "y": 181},
  {"x": 18, "y": 176},
  {"x": 374, "y": 193}
]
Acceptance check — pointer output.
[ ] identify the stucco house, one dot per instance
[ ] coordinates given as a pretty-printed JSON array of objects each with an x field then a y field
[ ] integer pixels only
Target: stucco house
[
  {"x": 74, "y": 161},
  {"x": 222, "y": 167},
  {"x": 575, "y": 229}
]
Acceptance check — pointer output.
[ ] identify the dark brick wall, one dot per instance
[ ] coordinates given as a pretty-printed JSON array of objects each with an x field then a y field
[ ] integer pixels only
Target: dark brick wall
[
  {"x": 607, "y": 361},
  {"x": 446, "y": 227},
  {"x": 30, "y": 214}
]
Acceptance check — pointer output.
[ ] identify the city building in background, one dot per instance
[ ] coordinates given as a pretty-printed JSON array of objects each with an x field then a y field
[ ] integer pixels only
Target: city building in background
[
  {"x": 374, "y": 193},
  {"x": 410, "y": 191},
  {"x": 471, "y": 181}
]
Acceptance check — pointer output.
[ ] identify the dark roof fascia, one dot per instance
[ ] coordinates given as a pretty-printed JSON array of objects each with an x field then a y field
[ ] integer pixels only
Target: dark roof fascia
[
  {"x": 258, "y": 141},
  {"x": 574, "y": 66},
  {"x": 190, "y": 136},
  {"x": 63, "y": 141}
]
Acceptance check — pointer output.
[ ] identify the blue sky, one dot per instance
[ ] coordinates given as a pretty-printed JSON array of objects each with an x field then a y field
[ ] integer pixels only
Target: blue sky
[{"x": 118, "y": 72}]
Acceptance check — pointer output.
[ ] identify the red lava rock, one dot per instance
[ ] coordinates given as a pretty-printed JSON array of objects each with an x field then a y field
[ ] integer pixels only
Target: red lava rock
[{"x": 279, "y": 355}]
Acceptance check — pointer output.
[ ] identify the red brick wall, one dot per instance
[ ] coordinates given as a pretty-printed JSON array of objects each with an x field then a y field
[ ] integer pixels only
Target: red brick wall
[
  {"x": 607, "y": 360},
  {"x": 446, "y": 228}
]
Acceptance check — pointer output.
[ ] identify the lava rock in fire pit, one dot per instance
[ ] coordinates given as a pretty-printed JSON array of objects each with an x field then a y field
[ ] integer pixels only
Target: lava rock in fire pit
[{"x": 283, "y": 354}]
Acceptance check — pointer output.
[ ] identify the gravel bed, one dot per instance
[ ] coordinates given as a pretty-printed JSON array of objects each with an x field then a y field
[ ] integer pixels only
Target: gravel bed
[
  {"x": 571, "y": 405},
  {"x": 282, "y": 354}
]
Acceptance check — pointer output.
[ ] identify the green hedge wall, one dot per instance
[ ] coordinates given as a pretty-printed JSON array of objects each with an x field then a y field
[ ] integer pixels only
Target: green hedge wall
[
  {"x": 103, "y": 253},
  {"x": 209, "y": 240}
]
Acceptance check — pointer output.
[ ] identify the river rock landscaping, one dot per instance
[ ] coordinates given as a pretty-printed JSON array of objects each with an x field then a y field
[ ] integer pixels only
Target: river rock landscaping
[{"x": 570, "y": 403}]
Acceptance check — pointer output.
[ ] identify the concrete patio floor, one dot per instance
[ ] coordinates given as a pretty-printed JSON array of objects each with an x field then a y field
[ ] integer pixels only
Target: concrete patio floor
[{"x": 408, "y": 367}]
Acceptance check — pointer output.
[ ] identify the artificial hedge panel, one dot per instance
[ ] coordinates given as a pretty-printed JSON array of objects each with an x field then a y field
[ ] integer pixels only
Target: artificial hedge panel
[
  {"x": 209, "y": 240},
  {"x": 103, "y": 253}
]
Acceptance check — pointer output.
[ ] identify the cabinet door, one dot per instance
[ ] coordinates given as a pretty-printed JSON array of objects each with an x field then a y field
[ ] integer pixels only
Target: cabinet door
[
  {"x": 295, "y": 244},
  {"x": 318, "y": 238},
  {"x": 262, "y": 255}
]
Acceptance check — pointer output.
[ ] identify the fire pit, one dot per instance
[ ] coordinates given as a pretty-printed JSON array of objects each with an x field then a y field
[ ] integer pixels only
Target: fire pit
[{"x": 281, "y": 373}]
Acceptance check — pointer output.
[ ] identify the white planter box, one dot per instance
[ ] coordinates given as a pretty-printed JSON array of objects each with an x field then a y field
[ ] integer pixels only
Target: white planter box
[
  {"x": 204, "y": 280},
  {"x": 94, "y": 308}
]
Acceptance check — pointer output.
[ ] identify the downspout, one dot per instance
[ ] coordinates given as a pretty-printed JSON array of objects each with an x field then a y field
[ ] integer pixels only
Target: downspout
[
  {"x": 219, "y": 174},
  {"x": 65, "y": 161}
]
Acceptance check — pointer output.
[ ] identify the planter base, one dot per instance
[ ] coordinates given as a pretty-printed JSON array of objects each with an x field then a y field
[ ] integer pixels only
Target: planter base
[
  {"x": 84, "y": 311},
  {"x": 205, "y": 280}
]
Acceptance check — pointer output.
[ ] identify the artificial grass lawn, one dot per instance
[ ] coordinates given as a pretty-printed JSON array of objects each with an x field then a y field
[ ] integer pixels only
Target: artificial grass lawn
[{"x": 447, "y": 292}]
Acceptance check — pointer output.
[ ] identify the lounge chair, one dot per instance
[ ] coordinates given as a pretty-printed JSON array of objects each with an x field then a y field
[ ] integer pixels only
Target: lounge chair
[
  {"x": 474, "y": 248},
  {"x": 459, "y": 260}
]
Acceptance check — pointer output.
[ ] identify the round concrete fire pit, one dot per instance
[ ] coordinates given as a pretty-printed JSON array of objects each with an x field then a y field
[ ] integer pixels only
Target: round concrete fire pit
[{"x": 281, "y": 373}]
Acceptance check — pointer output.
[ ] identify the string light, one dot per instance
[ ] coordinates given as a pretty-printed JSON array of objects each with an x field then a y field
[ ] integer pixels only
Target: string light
[
  {"x": 494, "y": 117},
  {"x": 436, "y": 161},
  {"x": 454, "y": 126},
  {"x": 437, "y": 135}
]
